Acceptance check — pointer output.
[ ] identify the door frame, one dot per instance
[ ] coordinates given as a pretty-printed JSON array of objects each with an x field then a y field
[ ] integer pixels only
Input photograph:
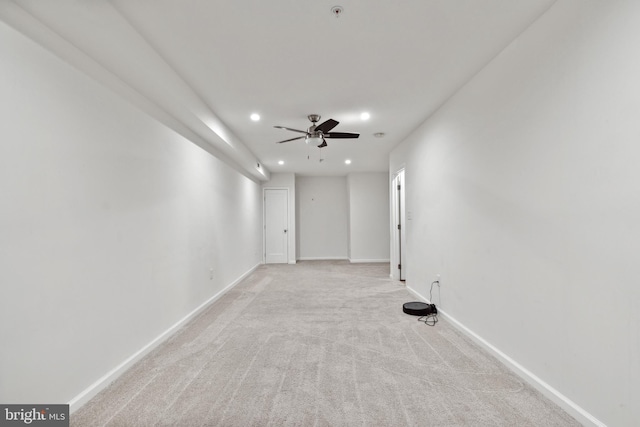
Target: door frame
[
  {"x": 398, "y": 218},
  {"x": 264, "y": 222}
]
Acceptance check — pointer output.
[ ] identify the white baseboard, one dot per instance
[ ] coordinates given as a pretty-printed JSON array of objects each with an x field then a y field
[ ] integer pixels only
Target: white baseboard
[
  {"x": 109, "y": 377},
  {"x": 549, "y": 392},
  {"x": 357, "y": 261},
  {"x": 332, "y": 258}
]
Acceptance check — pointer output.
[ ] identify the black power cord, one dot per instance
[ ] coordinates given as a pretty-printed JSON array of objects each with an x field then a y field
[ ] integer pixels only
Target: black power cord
[
  {"x": 432, "y": 318},
  {"x": 429, "y": 319},
  {"x": 435, "y": 282}
]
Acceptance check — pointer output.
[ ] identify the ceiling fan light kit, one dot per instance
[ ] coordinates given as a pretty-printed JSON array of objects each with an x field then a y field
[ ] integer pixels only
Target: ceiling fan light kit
[{"x": 314, "y": 140}]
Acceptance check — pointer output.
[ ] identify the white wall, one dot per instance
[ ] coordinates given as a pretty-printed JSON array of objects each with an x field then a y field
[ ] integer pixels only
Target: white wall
[
  {"x": 321, "y": 217},
  {"x": 288, "y": 181},
  {"x": 110, "y": 224},
  {"x": 523, "y": 191},
  {"x": 368, "y": 216}
]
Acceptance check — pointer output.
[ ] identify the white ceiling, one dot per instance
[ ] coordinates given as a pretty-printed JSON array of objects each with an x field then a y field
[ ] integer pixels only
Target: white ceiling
[{"x": 203, "y": 66}]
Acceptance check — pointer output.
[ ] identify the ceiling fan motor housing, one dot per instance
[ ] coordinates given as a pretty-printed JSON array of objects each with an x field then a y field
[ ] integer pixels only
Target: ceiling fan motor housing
[{"x": 314, "y": 118}]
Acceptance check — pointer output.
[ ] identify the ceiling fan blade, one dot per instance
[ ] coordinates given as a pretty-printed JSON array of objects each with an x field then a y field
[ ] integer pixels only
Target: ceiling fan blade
[
  {"x": 292, "y": 130},
  {"x": 324, "y": 144},
  {"x": 292, "y": 139},
  {"x": 341, "y": 135},
  {"x": 326, "y": 126}
]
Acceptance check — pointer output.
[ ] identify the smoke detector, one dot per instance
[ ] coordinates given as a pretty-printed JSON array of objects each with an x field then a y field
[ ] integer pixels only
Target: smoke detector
[{"x": 337, "y": 11}]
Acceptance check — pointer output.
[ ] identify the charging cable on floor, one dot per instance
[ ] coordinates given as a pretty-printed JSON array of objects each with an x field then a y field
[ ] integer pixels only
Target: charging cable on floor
[{"x": 431, "y": 318}]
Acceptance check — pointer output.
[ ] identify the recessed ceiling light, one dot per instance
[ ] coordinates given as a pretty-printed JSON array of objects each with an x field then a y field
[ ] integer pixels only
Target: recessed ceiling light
[
  {"x": 281, "y": 162},
  {"x": 255, "y": 117},
  {"x": 348, "y": 161},
  {"x": 365, "y": 116}
]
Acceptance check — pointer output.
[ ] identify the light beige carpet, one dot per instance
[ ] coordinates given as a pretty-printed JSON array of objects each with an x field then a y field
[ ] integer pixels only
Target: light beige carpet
[{"x": 320, "y": 343}]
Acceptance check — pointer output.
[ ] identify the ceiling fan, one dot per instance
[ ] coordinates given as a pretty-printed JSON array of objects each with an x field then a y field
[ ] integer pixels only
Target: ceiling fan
[{"x": 316, "y": 134}]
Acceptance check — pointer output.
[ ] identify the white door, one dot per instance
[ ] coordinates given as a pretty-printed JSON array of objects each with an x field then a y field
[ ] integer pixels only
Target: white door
[
  {"x": 399, "y": 234},
  {"x": 276, "y": 226},
  {"x": 403, "y": 232}
]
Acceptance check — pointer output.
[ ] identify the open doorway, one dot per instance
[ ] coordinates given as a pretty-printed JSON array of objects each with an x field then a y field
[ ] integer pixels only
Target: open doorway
[{"x": 398, "y": 267}]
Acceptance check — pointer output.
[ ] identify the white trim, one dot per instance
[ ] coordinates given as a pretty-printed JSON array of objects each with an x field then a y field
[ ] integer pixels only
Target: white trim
[
  {"x": 329, "y": 258},
  {"x": 402, "y": 166},
  {"x": 357, "y": 261},
  {"x": 88, "y": 393},
  {"x": 549, "y": 392},
  {"x": 397, "y": 215}
]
